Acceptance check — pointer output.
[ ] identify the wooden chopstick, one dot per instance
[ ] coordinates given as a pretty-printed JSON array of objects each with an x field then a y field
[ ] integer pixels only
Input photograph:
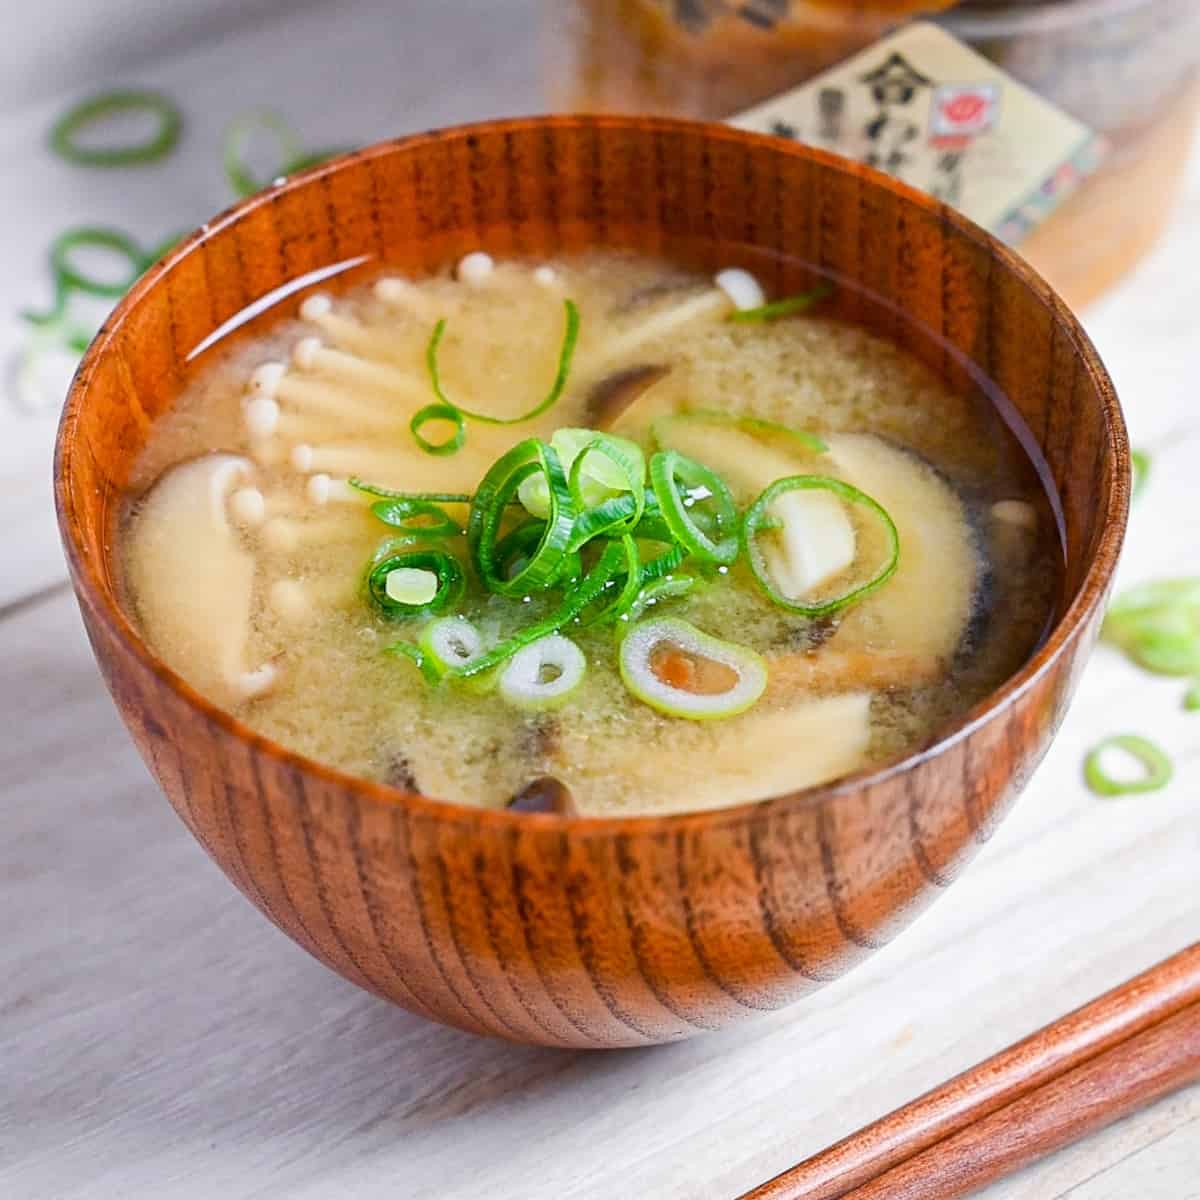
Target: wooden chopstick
[{"x": 1092, "y": 1066}]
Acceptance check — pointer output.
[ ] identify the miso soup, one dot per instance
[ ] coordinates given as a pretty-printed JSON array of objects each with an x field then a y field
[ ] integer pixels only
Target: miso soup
[{"x": 598, "y": 535}]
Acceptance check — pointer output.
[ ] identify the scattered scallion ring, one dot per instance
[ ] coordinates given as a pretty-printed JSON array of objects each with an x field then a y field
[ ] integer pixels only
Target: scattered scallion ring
[
  {"x": 522, "y": 682},
  {"x": 565, "y": 354},
  {"x": 1191, "y": 698},
  {"x": 70, "y": 278},
  {"x": 758, "y": 518},
  {"x": 439, "y": 412},
  {"x": 786, "y": 307},
  {"x": 1157, "y": 767},
  {"x": 1157, "y": 625},
  {"x": 64, "y": 134},
  {"x": 397, "y": 555},
  {"x": 418, "y": 518},
  {"x": 292, "y": 157},
  {"x": 371, "y": 489},
  {"x": 635, "y": 662},
  {"x": 667, "y": 469},
  {"x": 544, "y": 565}
]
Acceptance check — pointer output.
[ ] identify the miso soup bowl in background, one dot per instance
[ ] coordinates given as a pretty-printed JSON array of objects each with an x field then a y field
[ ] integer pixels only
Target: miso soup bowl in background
[{"x": 597, "y": 931}]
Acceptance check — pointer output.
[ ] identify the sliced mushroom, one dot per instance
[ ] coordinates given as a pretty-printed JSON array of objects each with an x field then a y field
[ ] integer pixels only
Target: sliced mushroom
[
  {"x": 544, "y": 795},
  {"x": 192, "y": 581},
  {"x": 765, "y": 752},
  {"x": 833, "y": 670},
  {"x": 609, "y": 399}
]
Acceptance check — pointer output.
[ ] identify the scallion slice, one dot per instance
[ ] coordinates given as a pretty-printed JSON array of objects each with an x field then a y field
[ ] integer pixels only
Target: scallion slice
[
  {"x": 636, "y": 661},
  {"x": 453, "y": 443},
  {"x": 418, "y": 518},
  {"x": 1191, "y": 698},
  {"x": 69, "y": 277},
  {"x": 1157, "y": 767},
  {"x": 668, "y": 469},
  {"x": 418, "y": 658},
  {"x": 588, "y": 590},
  {"x": 786, "y": 307},
  {"x": 451, "y": 642},
  {"x": 1158, "y": 625},
  {"x": 544, "y": 673},
  {"x": 545, "y": 562},
  {"x": 758, "y": 519},
  {"x": 412, "y": 598},
  {"x": 292, "y": 157},
  {"x": 656, "y": 591},
  {"x": 64, "y": 136},
  {"x": 565, "y": 354}
]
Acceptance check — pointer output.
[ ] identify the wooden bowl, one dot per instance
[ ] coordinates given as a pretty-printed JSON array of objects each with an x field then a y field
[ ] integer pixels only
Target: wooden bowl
[{"x": 597, "y": 932}]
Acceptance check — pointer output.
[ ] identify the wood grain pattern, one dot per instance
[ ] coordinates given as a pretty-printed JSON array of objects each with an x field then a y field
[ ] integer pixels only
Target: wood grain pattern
[
  {"x": 1086, "y": 1069},
  {"x": 596, "y": 932}
]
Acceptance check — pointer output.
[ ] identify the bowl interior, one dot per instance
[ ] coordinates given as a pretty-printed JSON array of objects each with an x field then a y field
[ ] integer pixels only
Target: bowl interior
[{"x": 707, "y": 196}]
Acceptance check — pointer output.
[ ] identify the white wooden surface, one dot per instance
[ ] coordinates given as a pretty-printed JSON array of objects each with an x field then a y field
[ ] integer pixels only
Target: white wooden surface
[{"x": 158, "y": 1038}]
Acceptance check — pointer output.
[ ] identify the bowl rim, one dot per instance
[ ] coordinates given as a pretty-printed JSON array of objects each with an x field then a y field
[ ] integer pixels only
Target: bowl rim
[{"x": 102, "y": 604}]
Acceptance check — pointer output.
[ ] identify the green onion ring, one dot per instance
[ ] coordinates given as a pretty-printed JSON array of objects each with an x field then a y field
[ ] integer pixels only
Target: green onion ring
[
  {"x": 658, "y": 590},
  {"x": 629, "y": 592},
  {"x": 1191, "y": 698},
  {"x": 1158, "y": 767},
  {"x": 371, "y": 489},
  {"x": 495, "y": 490},
  {"x": 397, "y": 554},
  {"x": 669, "y": 466},
  {"x": 787, "y": 307},
  {"x": 1157, "y": 625},
  {"x": 423, "y": 662},
  {"x": 565, "y": 354},
  {"x": 619, "y": 512},
  {"x": 98, "y": 108},
  {"x": 69, "y": 279},
  {"x": 401, "y": 513},
  {"x": 292, "y": 157},
  {"x": 439, "y": 412},
  {"x": 757, "y": 518},
  {"x": 590, "y": 588}
]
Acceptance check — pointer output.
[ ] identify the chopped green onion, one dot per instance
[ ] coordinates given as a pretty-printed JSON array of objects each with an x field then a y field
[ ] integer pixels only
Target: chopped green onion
[
  {"x": 544, "y": 673},
  {"x": 565, "y": 354},
  {"x": 1191, "y": 698},
  {"x": 413, "y": 597},
  {"x": 589, "y": 589},
  {"x": 418, "y": 658},
  {"x": 439, "y": 412},
  {"x": 711, "y": 416},
  {"x": 371, "y": 489},
  {"x": 451, "y": 642},
  {"x": 667, "y": 469},
  {"x": 544, "y": 565},
  {"x": 783, "y": 308},
  {"x": 627, "y": 596},
  {"x": 1140, "y": 461},
  {"x": 292, "y": 157},
  {"x": 1157, "y": 767},
  {"x": 64, "y": 135},
  {"x": 758, "y": 518},
  {"x": 420, "y": 518},
  {"x": 657, "y": 590},
  {"x": 1158, "y": 626},
  {"x": 68, "y": 277},
  {"x": 636, "y": 664}
]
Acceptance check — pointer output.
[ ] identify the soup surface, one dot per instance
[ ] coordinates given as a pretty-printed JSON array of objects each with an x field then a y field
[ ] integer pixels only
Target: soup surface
[{"x": 709, "y": 650}]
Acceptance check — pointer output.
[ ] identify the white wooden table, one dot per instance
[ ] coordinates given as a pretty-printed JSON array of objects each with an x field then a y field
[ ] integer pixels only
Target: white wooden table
[{"x": 158, "y": 1038}]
